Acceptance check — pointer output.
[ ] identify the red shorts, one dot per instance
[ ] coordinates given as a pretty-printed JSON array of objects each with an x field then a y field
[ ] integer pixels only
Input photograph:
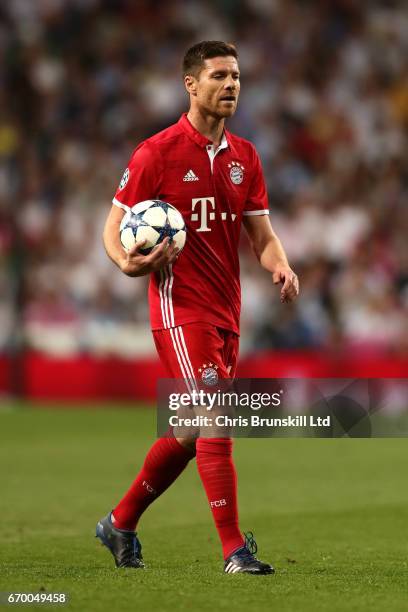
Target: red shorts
[{"x": 198, "y": 351}]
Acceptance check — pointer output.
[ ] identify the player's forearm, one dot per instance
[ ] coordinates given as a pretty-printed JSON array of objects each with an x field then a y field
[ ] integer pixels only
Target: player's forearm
[
  {"x": 112, "y": 243},
  {"x": 133, "y": 263},
  {"x": 272, "y": 255}
]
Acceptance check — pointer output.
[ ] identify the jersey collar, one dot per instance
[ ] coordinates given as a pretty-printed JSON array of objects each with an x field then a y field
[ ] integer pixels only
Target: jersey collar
[{"x": 195, "y": 135}]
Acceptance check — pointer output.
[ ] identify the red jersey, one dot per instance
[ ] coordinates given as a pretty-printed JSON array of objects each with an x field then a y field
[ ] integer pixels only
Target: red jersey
[{"x": 212, "y": 189}]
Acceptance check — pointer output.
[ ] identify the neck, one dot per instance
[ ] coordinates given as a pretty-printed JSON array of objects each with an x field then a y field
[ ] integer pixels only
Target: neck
[{"x": 210, "y": 127}]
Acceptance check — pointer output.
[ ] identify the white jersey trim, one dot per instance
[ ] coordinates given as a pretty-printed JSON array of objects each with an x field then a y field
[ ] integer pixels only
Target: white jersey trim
[
  {"x": 120, "y": 205},
  {"x": 161, "y": 293},
  {"x": 176, "y": 333},
  {"x": 186, "y": 358},
  {"x": 183, "y": 359},
  {"x": 181, "y": 362},
  {"x": 170, "y": 292},
  {"x": 180, "y": 331},
  {"x": 250, "y": 213},
  {"x": 212, "y": 152},
  {"x": 166, "y": 296}
]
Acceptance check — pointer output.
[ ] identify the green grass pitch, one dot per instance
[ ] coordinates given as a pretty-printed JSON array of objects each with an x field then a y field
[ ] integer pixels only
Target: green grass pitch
[{"x": 331, "y": 515}]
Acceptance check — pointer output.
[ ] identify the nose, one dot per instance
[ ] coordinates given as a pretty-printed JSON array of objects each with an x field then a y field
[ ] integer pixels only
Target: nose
[{"x": 230, "y": 83}]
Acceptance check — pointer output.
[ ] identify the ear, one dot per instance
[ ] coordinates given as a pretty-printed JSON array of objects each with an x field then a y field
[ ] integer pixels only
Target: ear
[{"x": 190, "y": 84}]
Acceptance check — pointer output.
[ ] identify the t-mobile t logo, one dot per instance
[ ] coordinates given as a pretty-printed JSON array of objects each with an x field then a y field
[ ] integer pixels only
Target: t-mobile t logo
[
  {"x": 206, "y": 207},
  {"x": 218, "y": 503},
  {"x": 205, "y": 216}
]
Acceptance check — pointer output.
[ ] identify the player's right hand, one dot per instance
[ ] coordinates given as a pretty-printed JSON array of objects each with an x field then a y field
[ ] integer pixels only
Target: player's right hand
[{"x": 137, "y": 264}]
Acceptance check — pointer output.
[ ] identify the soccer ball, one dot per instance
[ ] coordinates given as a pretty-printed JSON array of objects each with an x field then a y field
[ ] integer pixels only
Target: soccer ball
[{"x": 153, "y": 221}]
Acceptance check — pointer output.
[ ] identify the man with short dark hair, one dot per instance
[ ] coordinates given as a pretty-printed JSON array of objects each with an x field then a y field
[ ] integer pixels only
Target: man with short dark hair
[{"x": 215, "y": 180}]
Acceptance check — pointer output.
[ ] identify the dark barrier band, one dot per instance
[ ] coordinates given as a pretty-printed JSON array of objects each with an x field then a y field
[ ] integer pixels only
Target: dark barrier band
[{"x": 258, "y": 408}]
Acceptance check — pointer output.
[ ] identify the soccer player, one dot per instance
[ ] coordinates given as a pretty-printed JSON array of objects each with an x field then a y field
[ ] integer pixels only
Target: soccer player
[{"x": 214, "y": 178}]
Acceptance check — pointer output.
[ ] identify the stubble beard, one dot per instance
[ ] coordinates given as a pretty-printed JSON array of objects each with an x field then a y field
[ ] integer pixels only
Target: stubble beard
[{"x": 227, "y": 112}]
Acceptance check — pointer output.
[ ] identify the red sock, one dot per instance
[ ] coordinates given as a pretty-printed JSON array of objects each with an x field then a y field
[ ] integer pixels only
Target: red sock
[
  {"x": 217, "y": 473},
  {"x": 163, "y": 464}
]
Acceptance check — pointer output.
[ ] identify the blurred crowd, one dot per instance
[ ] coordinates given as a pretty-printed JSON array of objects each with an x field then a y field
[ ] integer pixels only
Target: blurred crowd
[{"x": 324, "y": 97}]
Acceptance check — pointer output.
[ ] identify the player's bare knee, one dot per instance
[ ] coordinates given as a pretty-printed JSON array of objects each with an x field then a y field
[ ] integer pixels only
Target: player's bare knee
[
  {"x": 216, "y": 422},
  {"x": 188, "y": 443}
]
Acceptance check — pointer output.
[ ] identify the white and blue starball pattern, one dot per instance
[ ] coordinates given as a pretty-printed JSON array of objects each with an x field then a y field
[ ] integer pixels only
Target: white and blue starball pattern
[{"x": 153, "y": 221}]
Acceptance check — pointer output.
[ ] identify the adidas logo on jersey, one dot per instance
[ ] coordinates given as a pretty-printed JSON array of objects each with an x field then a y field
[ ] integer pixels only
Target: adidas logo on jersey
[{"x": 190, "y": 176}]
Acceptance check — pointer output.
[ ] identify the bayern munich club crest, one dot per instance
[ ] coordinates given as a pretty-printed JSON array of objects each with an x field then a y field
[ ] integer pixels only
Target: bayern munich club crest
[
  {"x": 209, "y": 374},
  {"x": 124, "y": 179},
  {"x": 236, "y": 172}
]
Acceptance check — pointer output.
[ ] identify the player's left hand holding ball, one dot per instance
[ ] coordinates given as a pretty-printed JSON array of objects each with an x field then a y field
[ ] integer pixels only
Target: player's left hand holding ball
[{"x": 285, "y": 275}]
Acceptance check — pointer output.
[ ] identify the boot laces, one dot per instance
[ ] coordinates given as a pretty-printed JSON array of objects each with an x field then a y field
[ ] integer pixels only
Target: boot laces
[
  {"x": 250, "y": 542},
  {"x": 247, "y": 553},
  {"x": 132, "y": 552}
]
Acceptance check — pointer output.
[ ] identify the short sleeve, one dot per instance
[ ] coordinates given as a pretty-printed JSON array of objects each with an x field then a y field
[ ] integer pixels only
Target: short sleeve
[
  {"x": 257, "y": 200},
  {"x": 141, "y": 179}
]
